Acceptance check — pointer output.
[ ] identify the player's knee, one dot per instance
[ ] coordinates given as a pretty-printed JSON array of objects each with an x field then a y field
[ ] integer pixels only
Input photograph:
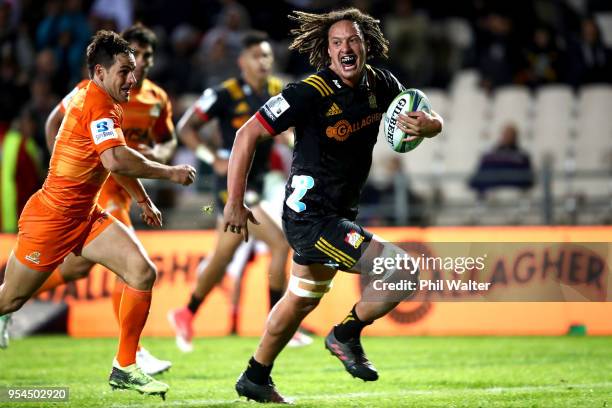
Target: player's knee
[
  {"x": 12, "y": 304},
  {"x": 144, "y": 276}
]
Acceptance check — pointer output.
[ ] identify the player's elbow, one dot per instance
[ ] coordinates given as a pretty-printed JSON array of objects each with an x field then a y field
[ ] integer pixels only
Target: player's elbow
[{"x": 112, "y": 162}]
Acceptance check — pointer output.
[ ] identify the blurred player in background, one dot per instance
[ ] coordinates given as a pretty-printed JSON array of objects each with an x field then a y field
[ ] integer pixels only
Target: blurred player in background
[
  {"x": 232, "y": 103},
  {"x": 336, "y": 114},
  {"x": 63, "y": 219},
  {"x": 148, "y": 128}
]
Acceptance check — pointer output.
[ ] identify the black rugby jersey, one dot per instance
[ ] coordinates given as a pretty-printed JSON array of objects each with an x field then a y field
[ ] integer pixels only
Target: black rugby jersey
[
  {"x": 233, "y": 102},
  {"x": 336, "y": 127}
]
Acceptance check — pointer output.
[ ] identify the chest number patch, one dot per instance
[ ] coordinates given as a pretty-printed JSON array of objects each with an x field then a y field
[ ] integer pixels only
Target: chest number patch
[{"x": 301, "y": 184}]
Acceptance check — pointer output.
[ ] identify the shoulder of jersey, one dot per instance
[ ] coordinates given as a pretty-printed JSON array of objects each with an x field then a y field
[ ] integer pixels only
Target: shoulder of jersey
[
  {"x": 275, "y": 85},
  {"x": 232, "y": 86},
  {"x": 319, "y": 83}
]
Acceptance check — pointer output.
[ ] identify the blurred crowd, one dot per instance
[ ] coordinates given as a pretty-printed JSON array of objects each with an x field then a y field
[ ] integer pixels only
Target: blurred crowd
[{"x": 42, "y": 45}]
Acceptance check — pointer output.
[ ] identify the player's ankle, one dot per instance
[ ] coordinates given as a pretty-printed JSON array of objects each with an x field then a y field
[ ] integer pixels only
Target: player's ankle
[{"x": 257, "y": 372}]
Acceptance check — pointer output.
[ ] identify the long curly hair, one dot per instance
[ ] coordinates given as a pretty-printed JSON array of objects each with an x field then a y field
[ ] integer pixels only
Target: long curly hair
[{"x": 311, "y": 35}]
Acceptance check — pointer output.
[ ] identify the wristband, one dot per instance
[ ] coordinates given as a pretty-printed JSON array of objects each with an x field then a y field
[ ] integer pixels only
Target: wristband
[{"x": 204, "y": 154}]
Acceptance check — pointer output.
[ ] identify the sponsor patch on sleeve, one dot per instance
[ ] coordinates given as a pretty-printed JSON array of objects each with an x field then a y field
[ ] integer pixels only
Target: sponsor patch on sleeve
[
  {"x": 103, "y": 130},
  {"x": 206, "y": 100},
  {"x": 276, "y": 106}
]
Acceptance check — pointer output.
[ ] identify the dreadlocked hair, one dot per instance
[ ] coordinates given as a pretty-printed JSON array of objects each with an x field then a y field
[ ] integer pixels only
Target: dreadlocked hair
[{"x": 311, "y": 35}]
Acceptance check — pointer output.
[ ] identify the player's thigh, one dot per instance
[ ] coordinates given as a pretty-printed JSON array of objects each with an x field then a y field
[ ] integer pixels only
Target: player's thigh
[
  {"x": 20, "y": 282},
  {"x": 308, "y": 283},
  {"x": 75, "y": 267},
  {"x": 375, "y": 252},
  {"x": 118, "y": 249},
  {"x": 267, "y": 230}
]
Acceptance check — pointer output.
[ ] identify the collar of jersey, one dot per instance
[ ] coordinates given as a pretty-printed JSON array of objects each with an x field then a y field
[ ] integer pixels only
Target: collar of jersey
[{"x": 363, "y": 84}]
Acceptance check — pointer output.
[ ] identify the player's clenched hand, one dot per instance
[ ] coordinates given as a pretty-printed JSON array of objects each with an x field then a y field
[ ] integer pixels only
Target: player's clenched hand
[
  {"x": 183, "y": 174},
  {"x": 235, "y": 218},
  {"x": 150, "y": 214},
  {"x": 420, "y": 124}
]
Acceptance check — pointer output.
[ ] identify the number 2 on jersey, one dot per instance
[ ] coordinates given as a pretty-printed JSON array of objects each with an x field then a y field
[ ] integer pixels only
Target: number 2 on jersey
[{"x": 301, "y": 184}]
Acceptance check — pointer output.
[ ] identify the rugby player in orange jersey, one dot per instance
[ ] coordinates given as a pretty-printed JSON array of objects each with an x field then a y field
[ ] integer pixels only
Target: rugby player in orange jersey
[
  {"x": 148, "y": 128},
  {"x": 63, "y": 216}
]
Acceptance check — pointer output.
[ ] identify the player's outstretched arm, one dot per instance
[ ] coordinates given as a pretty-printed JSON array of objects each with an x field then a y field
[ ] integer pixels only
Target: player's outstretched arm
[
  {"x": 128, "y": 162},
  {"x": 52, "y": 125},
  {"x": 150, "y": 214},
  {"x": 236, "y": 214}
]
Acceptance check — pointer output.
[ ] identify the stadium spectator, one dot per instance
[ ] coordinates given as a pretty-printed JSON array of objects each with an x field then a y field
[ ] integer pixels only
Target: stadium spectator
[
  {"x": 506, "y": 165},
  {"x": 62, "y": 218},
  {"x": 67, "y": 32},
  {"x": 233, "y": 102},
  {"x": 589, "y": 60},
  {"x": 541, "y": 58},
  {"x": 21, "y": 169},
  {"x": 153, "y": 135},
  {"x": 336, "y": 114}
]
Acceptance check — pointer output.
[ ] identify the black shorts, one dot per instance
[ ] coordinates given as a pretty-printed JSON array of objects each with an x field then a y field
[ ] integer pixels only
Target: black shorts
[{"x": 332, "y": 241}]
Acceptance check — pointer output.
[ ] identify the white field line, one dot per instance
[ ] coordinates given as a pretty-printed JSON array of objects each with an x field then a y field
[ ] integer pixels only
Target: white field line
[{"x": 353, "y": 395}]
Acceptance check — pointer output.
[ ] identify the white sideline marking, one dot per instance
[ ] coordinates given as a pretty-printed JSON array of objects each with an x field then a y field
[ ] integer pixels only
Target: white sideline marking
[{"x": 398, "y": 393}]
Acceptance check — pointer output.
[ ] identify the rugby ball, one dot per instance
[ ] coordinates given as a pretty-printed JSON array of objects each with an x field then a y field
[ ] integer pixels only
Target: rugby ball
[{"x": 410, "y": 100}]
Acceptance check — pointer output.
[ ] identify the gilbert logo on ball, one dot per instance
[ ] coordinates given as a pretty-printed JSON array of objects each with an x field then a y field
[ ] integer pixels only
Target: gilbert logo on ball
[{"x": 411, "y": 100}]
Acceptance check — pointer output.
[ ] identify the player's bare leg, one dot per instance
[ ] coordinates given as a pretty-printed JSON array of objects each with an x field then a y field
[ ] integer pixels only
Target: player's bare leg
[
  {"x": 272, "y": 235},
  {"x": 309, "y": 283},
  {"x": 73, "y": 268},
  {"x": 209, "y": 274},
  {"x": 118, "y": 249},
  {"x": 20, "y": 284}
]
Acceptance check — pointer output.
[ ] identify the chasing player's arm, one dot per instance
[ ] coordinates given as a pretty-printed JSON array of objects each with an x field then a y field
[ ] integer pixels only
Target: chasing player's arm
[
  {"x": 187, "y": 129},
  {"x": 150, "y": 214},
  {"x": 247, "y": 137},
  {"x": 128, "y": 162},
  {"x": 52, "y": 125},
  {"x": 163, "y": 152}
]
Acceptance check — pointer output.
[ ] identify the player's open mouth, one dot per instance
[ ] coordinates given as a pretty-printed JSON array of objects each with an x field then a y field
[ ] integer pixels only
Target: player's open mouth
[{"x": 348, "y": 61}]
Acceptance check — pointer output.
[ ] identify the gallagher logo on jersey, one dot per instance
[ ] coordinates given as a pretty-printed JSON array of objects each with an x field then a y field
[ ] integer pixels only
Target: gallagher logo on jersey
[{"x": 342, "y": 129}]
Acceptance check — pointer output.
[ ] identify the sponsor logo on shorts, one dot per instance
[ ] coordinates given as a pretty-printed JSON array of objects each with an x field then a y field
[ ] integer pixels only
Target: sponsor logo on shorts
[
  {"x": 354, "y": 239},
  {"x": 34, "y": 257},
  {"x": 102, "y": 130}
]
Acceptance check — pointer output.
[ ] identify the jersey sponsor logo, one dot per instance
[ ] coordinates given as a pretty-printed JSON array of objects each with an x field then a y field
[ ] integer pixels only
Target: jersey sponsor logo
[
  {"x": 34, "y": 257},
  {"x": 276, "y": 106},
  {"x": 354, "y": 239},
  {"x": 242, "y": 108},
  {"x": 337, "y": 83},
  {"x": 334, "y": 110},
  {"x": 342, "y": 129},
  {"x": 204, "y": 102},
  {"x": 102, "y": 130}
]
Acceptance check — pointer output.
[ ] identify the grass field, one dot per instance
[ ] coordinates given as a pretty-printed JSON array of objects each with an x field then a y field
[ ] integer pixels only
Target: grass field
[{"x": 415, "y": 372}]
